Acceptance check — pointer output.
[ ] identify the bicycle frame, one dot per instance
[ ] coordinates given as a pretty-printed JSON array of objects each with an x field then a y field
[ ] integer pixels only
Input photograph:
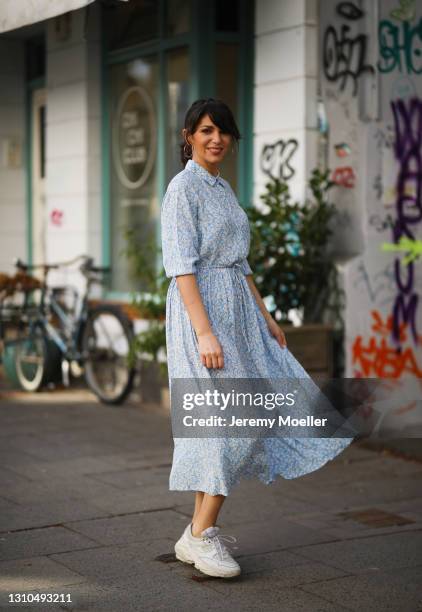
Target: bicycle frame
[
  {"x": 72, "y": 325},
  {"x": 72, "y": 336}
]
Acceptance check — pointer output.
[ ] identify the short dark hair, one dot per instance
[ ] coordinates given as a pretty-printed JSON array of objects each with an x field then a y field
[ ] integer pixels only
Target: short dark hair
[{"x": 220, "y": 115}]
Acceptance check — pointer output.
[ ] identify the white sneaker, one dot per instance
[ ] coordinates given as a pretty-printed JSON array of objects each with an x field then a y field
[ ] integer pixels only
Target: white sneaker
[{"x": 207, "y": 553}]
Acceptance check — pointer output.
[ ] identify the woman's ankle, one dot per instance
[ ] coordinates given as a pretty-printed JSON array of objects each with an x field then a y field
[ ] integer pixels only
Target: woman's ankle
[{"x": 197, "y": 529}]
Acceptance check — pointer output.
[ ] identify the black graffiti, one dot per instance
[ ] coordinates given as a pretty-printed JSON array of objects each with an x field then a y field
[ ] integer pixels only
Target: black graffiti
[
  {"x": 379, "y": 224},
  {"x": 344, "y": 55},
  {"x": 378, "y": 186},
  {"x": 276, "y": 158},
  {"x": 348, "y": 10}
]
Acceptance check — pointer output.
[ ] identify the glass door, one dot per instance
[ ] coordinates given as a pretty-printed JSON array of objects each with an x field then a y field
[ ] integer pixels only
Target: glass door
[
  {"x": 177, "y": 62},
  {"x": 133, "y": 180},
  {"x": 159, "y": 56}
]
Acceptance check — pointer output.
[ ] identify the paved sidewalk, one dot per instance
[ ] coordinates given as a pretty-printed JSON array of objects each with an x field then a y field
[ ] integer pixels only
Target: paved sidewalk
[{"x": 85, "y": 509}]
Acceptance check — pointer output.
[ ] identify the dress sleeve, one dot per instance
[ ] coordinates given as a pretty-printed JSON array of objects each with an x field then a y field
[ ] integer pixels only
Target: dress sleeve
[
  {"x": 179, "y": 231},
  {"x": 246, "y": 269}
]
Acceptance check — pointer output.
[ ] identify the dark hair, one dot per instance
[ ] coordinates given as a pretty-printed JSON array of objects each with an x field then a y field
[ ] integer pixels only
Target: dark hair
[{"x": 220, "y": 115}]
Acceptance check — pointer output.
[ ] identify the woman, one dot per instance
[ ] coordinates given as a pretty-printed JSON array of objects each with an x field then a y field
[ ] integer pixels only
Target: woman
[{"x": 217, "y": 326}]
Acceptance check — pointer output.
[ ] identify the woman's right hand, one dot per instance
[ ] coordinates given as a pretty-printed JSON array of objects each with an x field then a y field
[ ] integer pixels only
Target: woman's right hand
[{"x": 210, "y": 351}]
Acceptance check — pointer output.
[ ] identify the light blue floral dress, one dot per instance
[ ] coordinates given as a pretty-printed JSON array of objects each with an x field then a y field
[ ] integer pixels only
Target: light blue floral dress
[{"x": 204, "y": 230}]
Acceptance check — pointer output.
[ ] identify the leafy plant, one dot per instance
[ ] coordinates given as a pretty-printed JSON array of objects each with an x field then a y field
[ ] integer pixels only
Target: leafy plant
[
  {"x": 151, "y": 302},
  {"x": 290, "y": 251}
]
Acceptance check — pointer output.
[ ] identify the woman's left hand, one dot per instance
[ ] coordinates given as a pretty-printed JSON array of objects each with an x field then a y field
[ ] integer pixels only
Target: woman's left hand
[{"x": 277, "y": 332}]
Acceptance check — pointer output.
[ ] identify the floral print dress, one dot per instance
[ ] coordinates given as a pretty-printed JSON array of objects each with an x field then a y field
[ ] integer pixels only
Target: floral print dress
[{"x": 206, "y": 232}]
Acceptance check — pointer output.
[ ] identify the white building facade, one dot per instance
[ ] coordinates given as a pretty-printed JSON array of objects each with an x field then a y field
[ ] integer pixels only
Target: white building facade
[{"x": 92, "y": 104}]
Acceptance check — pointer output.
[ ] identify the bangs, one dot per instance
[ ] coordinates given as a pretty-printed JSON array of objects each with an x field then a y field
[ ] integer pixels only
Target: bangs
[{"x": 220, "y": 115}]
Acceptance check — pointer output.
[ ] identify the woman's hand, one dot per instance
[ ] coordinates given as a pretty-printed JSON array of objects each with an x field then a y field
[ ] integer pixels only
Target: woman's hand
[
  {"x": 276, "y": 331},
  {"x": 210, "y": 351}
]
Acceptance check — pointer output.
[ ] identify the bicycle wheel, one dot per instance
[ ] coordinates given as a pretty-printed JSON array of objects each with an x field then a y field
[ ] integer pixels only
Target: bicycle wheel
[
  {"x": 31, "y": 359},
  {"x": 105, "y": 344}
]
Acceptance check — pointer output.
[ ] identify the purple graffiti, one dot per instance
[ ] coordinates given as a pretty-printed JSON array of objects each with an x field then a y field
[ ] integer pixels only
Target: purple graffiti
[{"x": 407, "y": 149}]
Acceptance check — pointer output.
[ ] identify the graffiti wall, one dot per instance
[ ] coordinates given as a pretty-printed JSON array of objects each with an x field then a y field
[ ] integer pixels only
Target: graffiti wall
[
  {"x": 285, "y": 90},
  {"x": 371, "y": 59}
]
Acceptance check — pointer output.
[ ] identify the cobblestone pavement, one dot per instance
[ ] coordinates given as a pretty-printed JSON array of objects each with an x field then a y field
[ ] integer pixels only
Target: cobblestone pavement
[{"x": 85, "y": 510}]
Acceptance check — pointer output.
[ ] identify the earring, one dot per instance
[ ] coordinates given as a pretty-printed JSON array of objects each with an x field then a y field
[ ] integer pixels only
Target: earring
[{"x": 189, "y": 155}]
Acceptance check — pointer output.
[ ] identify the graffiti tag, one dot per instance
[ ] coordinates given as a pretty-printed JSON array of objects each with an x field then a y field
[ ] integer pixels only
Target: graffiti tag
[
  {"x": 405, "y": 12},
  {"x": 56, "y": 217},
  {"x": 400, "y": 47},
  {"x": 276, "y": 158},
  {"x": 377, "y": 358},
  {"x": 344, "y": 54},
  {"x": 344, "y": 177},
  {"x": 407, "y": 149}
]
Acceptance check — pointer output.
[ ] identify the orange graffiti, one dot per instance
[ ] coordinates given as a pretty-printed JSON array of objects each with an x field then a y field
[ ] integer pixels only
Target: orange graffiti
[{"x": 378, "y": 358}]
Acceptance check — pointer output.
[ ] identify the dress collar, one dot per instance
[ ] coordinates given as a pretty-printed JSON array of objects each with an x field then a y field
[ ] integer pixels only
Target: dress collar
[{"x": 193, "y": 166}]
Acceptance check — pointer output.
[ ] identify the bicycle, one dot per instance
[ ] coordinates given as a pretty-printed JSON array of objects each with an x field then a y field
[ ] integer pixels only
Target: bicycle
[{"x": 79, "y": 339}]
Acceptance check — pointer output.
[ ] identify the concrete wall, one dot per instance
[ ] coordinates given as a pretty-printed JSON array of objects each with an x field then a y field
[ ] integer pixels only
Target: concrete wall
[
  {"x": 370, "y": 55},
  {"x": 13, "y": 218},
  {"x": 285, "y": 119},
  {"x": 74, "y": 138}
]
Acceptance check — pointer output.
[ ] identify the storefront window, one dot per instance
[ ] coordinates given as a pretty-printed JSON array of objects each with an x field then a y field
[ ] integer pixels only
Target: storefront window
[
  {"x": 133, "y": 160},
  {"x": 133, "y": 22},
  {"x": 149, "y": 87},
  {"x": 226, "y": 88},
  {"x": 177, "y": 105},
  {"x": 178, "y": 17},
  {"x": 226, "y": 16}
]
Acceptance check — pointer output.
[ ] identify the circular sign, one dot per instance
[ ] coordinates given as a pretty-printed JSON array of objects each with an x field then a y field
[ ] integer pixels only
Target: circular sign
[{"x": 134, "y": 137}]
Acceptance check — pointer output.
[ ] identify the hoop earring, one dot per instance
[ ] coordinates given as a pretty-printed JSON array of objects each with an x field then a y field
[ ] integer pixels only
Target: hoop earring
[{"x": 187, "y": 154}]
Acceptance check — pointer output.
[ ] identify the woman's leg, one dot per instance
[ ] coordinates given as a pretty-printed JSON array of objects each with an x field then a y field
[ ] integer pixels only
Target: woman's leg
[
  {"x": 208, "y": 512},
  {"x": 199, "y": 496}
]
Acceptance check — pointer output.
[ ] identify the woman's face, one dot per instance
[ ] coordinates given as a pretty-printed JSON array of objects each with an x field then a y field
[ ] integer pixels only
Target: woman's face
[{"x": 210, "y": 144}]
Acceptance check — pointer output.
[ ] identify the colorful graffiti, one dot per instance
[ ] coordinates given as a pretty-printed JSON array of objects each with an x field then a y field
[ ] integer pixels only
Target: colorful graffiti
[
  {"x": 375, "y": 356},
  {"x": 413, "y": 248},
  {"x": 56, "y": 217},
  {"x": 276, "y": 159},
  {"x": 344, "y": 53},
  {"x": 404, "y": 12},
  {"x": 379, "y": 286},
  {"x": 342, "y": 149},
  {"x": 386, "y": 117},
  {"x": 344, "y": 176},
  {"x": 407, "y": 149},
  {"x": 400, "y": 47}
]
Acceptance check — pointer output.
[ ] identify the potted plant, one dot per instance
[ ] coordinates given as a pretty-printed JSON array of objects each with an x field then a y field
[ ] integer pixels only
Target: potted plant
[
  {"x": 293, "y": 266},
  {"x": 150, "y": 305}
]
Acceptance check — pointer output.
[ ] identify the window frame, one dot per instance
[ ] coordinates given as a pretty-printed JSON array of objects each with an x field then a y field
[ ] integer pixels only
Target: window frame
[{"x": 200, "y": 42}]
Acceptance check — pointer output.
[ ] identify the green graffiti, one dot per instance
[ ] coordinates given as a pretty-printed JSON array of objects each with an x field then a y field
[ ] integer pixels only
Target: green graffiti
[
  {"x": 400, "y": 47},
  {"x": 405, "y": 12},
  {"x": 412, "y": 247}
]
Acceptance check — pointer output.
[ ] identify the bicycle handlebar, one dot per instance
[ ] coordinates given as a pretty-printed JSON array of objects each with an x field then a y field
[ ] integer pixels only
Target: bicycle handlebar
[
  {"x": 18, "y": 263},
  {"x": 86, "y": 266}
]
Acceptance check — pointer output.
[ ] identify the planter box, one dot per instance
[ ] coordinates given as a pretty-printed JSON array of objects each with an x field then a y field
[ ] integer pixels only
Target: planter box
[
  {"x": 151, "y": 382},
  {"x": 312, "y": 346}
]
